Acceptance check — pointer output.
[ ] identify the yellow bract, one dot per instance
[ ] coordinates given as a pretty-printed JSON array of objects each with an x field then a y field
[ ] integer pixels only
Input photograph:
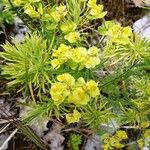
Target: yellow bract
[
  {"x": 33, "y": 11},
  {"x": 120, "y": 34},
  {"x": 73, "y": 117},
  {"x": 17, "y": 2},
  {"x": 55, "y": 63},
  {"x": 77, "y": 58},
  {"x": 121, "y": 135},
  {"x": 68, "y": 27},
  {"x": 91, "y": 62},
  {"x": 78, "y": 93},
  {"x": 30, "y": 10},
  {"x": 92, "y": 88},
  {"x": 62, "y": 54},
  {"x": 93, "y": 51},
  {"x": 66, "y": 78},
  {"x": 91, "y": 3},
  {"x": 73, "y": 37},
  {"x": 79, "y": 54},
  {"x": 59, "y": 13},
  {"x": 59, "y": 92},
  {"x": 114, "y": 141},
  {"x": 79, "y": 97},
  {"x": 96, "y": 11}
]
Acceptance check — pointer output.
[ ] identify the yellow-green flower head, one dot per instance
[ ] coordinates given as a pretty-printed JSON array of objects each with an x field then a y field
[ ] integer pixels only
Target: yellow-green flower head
[
  {"x": 81, "y": 82},
  {"x": 93, "y": 51},
  {"x": 17, "y": 2},
  {"x": 78, "y": 96},
  {"x": 120, "y": 135},
  {"x": 91, "y": 62},
  {"x": 62, "y": 55},
  {"x": 92, "y": 88},
  {"x": 61, "y": 51},
  {"x": 73, "y": 117},
  {"x": 29, "y": 10},
  {"x": 55, "y": 63},
  {"x": 40, "y": 9},
  {"x": 66, "y": 78},
  {"x": 68, "y": 26},
  {"x": 115, "y": 143},
  {"x": 73, "y": 37},
  {"x": 59, "y": 92},
  {"x": 120, "y": 34},
  {"x": 97, "y": 12},
  {"x": 91, "y": 3},
  {"x": 79, "y": 54},
  {"x": 59, "y": 13}
]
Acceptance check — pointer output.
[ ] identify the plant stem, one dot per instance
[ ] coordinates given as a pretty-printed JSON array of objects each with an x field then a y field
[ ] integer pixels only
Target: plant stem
[{"x": 31, "y": 91}]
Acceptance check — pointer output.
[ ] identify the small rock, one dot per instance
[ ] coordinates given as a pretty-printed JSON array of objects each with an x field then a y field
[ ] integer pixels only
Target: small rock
[
  {"x": 142, "y": 26},
  {"x": 54, "y": 137},
  {"x": 3, "y": 137},
  {"x": 93, "y": 143}
]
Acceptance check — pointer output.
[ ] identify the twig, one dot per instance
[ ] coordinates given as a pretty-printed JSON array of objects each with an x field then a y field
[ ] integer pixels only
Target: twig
[
  {"x": 3, "y": 121},
  {"x": 8, "y": 139},
  {"x": 4, "y": 128},
  {"x": 123, "y": 127}
]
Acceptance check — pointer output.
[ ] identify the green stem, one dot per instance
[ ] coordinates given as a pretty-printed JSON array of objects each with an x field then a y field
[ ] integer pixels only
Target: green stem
[{"x": 31, "y": 91}]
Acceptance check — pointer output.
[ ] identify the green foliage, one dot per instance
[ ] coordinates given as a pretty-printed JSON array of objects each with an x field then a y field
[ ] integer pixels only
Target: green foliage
[
  {"x": 75, "y": 141},
  {"x": 6, "y": 16},
  {"x": 28, "y": 63},
  {"x": 62, "y": 68},
  {"x": 96, "y": 114}
]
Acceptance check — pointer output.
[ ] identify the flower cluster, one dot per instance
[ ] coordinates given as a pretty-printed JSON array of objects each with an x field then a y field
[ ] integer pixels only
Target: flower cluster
[
  {"x": 69, "y": 28},
  {"x": 33, "y": 11},
  {"x": 73, "y": 117},
  {"x": 96, "y": 11},
  {"x": 59, "y": 13},
  {"x": 77, "y": 92},
  {"x": 115, "y": 140},
  {"x": 33, "y": 8},
  {"x": 78, "y": 57},
  {"x": 117, "y": 33}
]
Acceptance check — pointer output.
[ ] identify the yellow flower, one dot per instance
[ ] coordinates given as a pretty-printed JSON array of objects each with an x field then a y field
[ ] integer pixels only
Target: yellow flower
[
  {"x": 17, "y": 2},
  {"x": 91, "y": 3},
  {"x": 29, "y": 10},
  {"x": 120, "y": 135},
  {"x": 145, "y": 125},
  {"x": 91, "y": 62},
  {"x": 140, "y": 143},
  {"x": 93, "y": 51},
  {"x": 59, "y": 13},
  {"x": 120, "y": 34},
  {"x": 55, "y": 63},
  {"x": 81, "y": 82},
  {"x": 66, "y": 78},
  {"x": 59, "y": 92},
  {"x": 92, "y": 88},
  {"x": 147, "y": 133},
  {"x": 68, "y": 26},
  {"x": 115, "y": 143},
  {"x": 73, "y": 37},
  {"x": 79, "y": 54},
  {"x": 73, "y": 117},
  {"x": 97, "y": 12},
  {"x": 40, "y": 9},
  {"x": 79, "y": 96},
  {"x": 63, "y": 53}
]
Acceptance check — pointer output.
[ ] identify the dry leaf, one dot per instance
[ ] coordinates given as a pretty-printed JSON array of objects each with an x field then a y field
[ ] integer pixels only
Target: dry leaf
[
  {"x": 54, "y": 137},
  {"x": 138, "y": 3}
]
